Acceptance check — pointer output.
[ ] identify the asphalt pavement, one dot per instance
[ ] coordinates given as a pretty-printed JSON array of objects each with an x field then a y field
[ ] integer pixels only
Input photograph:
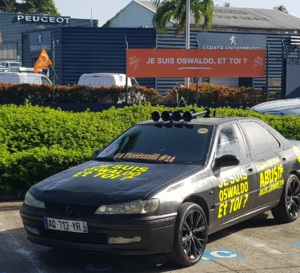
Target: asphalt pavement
[{"x": 259, "y": 245}]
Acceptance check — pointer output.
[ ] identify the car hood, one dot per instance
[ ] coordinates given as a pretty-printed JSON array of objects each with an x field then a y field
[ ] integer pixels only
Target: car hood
[{"x": 94, "y": 182}]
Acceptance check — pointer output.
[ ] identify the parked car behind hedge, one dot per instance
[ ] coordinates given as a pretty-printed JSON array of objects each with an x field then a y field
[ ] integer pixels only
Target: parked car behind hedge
[{"x": 279, "y": 107}]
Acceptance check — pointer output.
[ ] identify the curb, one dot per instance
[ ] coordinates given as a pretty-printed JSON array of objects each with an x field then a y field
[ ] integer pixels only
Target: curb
[{"x": 14, "y": 195}]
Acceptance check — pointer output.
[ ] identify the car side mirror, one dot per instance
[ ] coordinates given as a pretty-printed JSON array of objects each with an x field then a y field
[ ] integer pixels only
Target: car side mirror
[
  {"x": 96, "y": 152},
  {"x": 226, "y": 161}
]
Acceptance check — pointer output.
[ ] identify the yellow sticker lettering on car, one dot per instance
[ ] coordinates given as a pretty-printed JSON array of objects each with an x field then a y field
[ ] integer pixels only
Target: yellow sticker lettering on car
[
  {"x": 269, "y": 163},
  {"x": 222, "y": 209},
  {"x": 121, "y": 172},
  {"x": 89, "y": 171},
  {"x": 271, "y": 179},
  {"x": 274, "y": 186},
  {"x": 232, "y": 205},
  {"x": 232, "y": 178},
  {"x": 238, "y": 203},
  {"x": 233, "y": 193},
  {"x": 297, "y": 152}
]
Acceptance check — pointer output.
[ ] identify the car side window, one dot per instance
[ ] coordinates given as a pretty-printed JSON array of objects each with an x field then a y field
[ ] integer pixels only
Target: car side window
[
  {"x": 259, "y": 138},
  {"x": 228, "y": 142},
  {"x": 273, "y": 140}
]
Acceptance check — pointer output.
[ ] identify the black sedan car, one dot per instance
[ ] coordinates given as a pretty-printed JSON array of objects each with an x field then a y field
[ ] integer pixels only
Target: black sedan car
[{"x": 165, "y": 184}]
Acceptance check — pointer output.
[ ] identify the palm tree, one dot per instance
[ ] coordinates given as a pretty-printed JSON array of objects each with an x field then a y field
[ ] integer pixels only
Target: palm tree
[
  {"x": 281, "y": 8},
  {"x": 175, "y": 10}
]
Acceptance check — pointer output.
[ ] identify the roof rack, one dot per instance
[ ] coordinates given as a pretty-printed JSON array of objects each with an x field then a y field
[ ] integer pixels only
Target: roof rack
[{"x": 178, "y": 115}]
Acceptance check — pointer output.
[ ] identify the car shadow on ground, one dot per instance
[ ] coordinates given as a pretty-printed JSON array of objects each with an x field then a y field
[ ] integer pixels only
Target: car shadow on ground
[{"x": 263, "y": 220}]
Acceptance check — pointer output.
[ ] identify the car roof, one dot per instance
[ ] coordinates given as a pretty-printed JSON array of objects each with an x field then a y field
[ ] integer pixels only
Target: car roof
[
  {"x": 22, "y": 73},
  {"x": 103, "y": 74},
  {"x": 210, "y": 121},
  {"x": 279, "y": 107}
]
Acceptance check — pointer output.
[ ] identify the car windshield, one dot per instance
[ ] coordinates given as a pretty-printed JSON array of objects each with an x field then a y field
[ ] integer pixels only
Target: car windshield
[
  {"x": 161, "y": 143},
  {"x": 15, "y": 64}
]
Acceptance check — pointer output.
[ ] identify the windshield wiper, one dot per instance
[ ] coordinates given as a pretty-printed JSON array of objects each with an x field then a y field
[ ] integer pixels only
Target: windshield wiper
[{"x": 110, "y": 159}]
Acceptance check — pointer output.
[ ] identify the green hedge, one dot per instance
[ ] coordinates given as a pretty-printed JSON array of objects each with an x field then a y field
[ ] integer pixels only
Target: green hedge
[{"x": 37, "y": 142}]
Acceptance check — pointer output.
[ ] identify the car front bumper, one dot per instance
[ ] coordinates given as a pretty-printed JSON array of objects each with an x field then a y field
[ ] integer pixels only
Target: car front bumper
[{"x": 156, "y": 234}]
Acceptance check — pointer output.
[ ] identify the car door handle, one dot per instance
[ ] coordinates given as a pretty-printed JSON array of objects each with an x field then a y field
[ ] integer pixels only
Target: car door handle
[
  {"x": 249, "y": 169},
  {"x": 283, "y": 158}
]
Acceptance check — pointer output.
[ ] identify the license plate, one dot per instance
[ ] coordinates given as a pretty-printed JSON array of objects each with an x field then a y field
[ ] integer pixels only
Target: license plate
[{"x": 65, "y": 225}]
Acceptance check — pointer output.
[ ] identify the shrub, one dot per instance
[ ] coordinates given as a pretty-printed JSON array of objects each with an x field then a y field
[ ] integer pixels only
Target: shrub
[
  {"x": 207, "y": 93},
  {"x": 40, "y": 141},
  {"x": 215, "y": 94}
]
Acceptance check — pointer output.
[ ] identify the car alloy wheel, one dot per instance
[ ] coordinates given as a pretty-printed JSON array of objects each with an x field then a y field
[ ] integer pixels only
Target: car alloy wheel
[
  {"x": 289, "y": 206},
  {"x": 190, "y": 235},
  {"x": 293, "y": 198}
]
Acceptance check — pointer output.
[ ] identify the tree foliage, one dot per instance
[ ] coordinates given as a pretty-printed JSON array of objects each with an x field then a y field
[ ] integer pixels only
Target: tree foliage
[
  {"x": 281, "y": 8},
  {"x": 29, "y": 6},
  {"x": 175, "y": 10}
]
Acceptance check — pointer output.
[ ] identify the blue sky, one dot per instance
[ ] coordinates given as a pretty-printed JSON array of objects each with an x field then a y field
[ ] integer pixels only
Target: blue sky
[{"x": 104, "y": 10}]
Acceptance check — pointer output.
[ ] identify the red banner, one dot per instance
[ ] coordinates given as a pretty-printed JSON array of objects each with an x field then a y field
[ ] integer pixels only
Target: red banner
[{"x": 197, "y": 63}]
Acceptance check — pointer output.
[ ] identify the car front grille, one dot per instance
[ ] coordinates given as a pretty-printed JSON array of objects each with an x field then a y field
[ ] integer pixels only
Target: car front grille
[{"x": 73, "y": 210}]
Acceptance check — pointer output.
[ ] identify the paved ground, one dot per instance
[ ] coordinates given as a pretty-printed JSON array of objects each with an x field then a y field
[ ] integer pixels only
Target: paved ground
[{"x": 256, "y": 246}]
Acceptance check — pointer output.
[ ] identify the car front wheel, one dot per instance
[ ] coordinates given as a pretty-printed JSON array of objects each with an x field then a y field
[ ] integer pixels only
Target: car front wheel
[
  {"x": 289, "y": 206},
  {"x": 190, "y": 236}
]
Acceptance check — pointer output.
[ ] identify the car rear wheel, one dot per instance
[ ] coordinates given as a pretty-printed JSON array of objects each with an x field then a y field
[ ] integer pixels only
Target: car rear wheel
[
  {"x": 289, "y": 206},
  {"x": 190, "y": 236}
]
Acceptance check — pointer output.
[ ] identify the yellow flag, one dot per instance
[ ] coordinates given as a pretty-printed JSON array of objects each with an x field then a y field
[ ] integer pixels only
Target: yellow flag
[{"x": 42, "y": 62}]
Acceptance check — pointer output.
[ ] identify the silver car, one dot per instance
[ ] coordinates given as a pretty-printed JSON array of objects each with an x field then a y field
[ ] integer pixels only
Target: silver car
[{"x": 281, "y": 107}]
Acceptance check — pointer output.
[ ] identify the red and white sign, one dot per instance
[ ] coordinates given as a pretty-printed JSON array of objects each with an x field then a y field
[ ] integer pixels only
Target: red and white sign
[{"x": 173, "y": 63}]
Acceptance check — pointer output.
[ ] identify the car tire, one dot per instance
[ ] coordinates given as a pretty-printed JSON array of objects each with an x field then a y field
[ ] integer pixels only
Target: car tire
[
  {"x": 190, "y": 236},
  {"x": 289, "y": 206}
]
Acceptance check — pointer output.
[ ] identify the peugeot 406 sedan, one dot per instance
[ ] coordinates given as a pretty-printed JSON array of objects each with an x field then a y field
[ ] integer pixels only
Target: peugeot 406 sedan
[{"x": 165, "y": 185}]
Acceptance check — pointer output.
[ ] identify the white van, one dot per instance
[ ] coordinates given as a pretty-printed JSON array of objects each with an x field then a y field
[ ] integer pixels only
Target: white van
[
  {"x": 10, "y": 65},
  {"x": 105, "y": 79},
  {"x": 23, "y": 77}
]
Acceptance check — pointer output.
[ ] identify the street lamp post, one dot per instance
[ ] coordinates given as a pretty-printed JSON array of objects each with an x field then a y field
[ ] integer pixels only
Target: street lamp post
[
  {"x": 53, "y": 65},
  {"x": 126, "y": 77},
  {"x": 187, "y": 32}
]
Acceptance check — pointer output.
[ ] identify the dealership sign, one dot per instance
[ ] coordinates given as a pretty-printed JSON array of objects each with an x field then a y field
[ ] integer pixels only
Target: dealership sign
[
  {"x": 230, "y": 41},
  {"x": 43, "y": 19},
  {"x": 40, "y": 40},
  {"x": 173, "y": 63}
]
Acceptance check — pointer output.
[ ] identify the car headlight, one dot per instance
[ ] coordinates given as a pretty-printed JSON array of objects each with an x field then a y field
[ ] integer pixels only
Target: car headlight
[
  {"x": 133, "y": 207},
  {"x": 31, "y": 201}
]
